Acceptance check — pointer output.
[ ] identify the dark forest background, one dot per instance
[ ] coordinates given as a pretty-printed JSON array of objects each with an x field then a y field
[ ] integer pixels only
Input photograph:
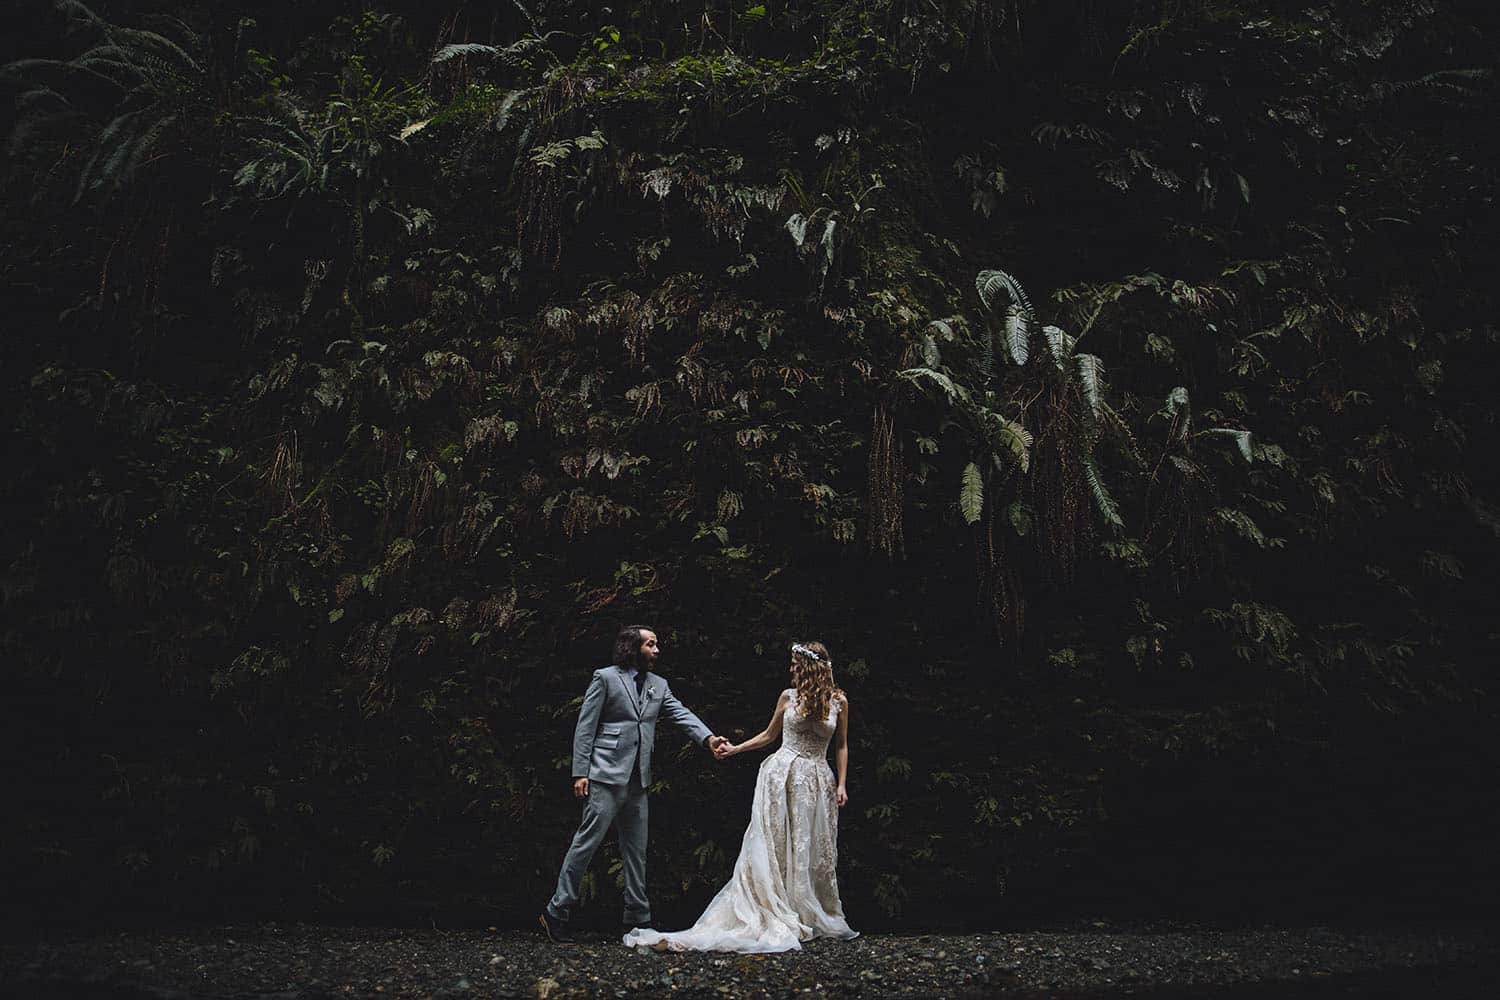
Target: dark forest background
[{"x": 1110, "y": 385}]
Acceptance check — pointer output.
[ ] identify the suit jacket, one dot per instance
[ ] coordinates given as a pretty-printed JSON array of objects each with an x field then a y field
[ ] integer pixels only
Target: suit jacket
[{"x": 616, "y": 730}]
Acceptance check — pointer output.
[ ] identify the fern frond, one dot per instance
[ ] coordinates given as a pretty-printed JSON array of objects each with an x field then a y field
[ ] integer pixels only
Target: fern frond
[
  {"x": 1059, "y": 344},
  {"x": 1018, "y": 334},
  {"x": 1007, "y": 438},
  {"x": 1103, "y": 502},
  {"x": 463, "y": 50},
  {"x": 1091, "y": 377},
  {"x": 949, "y": 327},
  {"x": 993, "y": 282},
  {"x": 1241, "y": 439},
  {"x": 1179, "y": 412},
  {"x": 931, "y": 376},
  {"x": 1243, "y": 525},
  {"x": 797, "y": 226},
  {"x": 971, "y": 494}
]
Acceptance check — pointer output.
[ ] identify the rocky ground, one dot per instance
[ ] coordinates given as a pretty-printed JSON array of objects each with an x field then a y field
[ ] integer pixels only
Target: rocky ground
[{"x": 1093, "y": 959}]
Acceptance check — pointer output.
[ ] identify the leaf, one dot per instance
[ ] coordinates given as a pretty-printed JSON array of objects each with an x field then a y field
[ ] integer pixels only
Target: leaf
[
  {"x": 971, "y": 494},
  {"x": 1241, "y": 439},
  {"x": 1007, "y": 438},
  {"x": 948, "y": 328},
  {"x": 1177, "y": 410},
  {"x": 797, "y": 226},
  {"x": 992, "y": 283},
  {"x": 1244, "y": 525},
  {"x": 1105, "y": 503},
  {"x": 931, "y": 356},
  {"x": 1060, "y": 344},
  {"x": 464, "y": 49},
  {"x": 1019, "y": 517},
  {"x": 413, "y": 129},
  {"x": 1244, "y": 187},
  {"x": 951, "y": 389},
  {"x": 1018, "y": 334},
  {"x": 1091, "y": 376},
  {"x": 828, "y": 241}
]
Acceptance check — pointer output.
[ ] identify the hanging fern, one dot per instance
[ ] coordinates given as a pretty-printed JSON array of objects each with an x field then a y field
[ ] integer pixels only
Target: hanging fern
[
  {"x": 1018, "y": 334},
  {"x": 1241, "y": 439},
  {"x": 1060, "y": 345},
  {"x": 160, "y": 89},
  {"x": 997, "y": 288},
  {"x": 971, "y": 494},
  {"x": 1007, "y": 438},
  {"x": 1103, "y": 502},
  {"x": 1091, "y": 377},
  {"x": 1178, "y": 411},
  {"x": 992, "y": 283},
  {"x": 931, "y": 376}
]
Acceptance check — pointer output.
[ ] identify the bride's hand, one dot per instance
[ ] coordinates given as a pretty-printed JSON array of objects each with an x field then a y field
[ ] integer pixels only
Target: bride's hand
[
  {"x": 841, "y": 796},
  {"x": 725, "y": 749}
]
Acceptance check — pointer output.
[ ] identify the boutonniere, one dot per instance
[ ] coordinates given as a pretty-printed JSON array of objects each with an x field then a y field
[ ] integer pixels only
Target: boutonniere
[{"x": 650, "y": 692}]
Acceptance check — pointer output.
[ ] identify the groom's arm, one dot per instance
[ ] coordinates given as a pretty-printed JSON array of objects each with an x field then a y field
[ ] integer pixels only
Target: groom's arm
[
  {"x": 679, "y": 714},
  {"x": 588, "y": 726}
]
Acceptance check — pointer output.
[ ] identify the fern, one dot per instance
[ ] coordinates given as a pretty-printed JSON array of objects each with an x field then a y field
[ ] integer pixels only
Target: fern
[
  {"x": 1060, "y": 345},
  {"x": 1018, "y": 334},
  {"x": 1007, "y": 438},
  {"x": 1243, "y": 525},
  {"x": 1091, "y": 377},
  {"x": 510, "y": 55},
  {"x": 1241, "y": 439},
  {"x": 931, "y": 376},
  {"x": 1179, "y": 412},
  {"x": 159, "y": 88},
  {"x": 971, "y": 494},
  {"x": 992, "y": 284},
  {"x": 1103, "y": 502}
]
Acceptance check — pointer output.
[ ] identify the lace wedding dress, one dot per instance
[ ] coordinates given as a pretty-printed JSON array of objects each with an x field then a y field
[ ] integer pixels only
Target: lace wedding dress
[{"x": 784, "y": 889}]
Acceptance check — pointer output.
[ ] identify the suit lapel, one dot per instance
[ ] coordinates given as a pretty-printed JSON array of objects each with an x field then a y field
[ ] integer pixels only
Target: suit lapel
[{"x": 629, "y": 689}]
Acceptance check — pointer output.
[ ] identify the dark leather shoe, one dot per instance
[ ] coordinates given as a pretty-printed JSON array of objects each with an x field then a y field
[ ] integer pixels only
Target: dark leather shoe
[{"x": 556, "y": 930}]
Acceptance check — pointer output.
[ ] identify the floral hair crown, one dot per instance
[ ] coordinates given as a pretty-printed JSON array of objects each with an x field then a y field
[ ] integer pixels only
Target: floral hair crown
[{"x": 811, "y": 654}]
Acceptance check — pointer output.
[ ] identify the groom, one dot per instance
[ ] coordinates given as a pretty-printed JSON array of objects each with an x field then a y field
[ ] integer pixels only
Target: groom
[{"x": 612, "y": 746}]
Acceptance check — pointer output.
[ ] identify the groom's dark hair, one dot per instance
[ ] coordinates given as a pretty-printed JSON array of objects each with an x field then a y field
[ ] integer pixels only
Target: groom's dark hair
[{"x": 628, "y": 645}]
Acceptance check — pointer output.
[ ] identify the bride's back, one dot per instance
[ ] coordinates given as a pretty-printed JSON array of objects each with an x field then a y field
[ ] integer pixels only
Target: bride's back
[{"x": 804, "y": 736}]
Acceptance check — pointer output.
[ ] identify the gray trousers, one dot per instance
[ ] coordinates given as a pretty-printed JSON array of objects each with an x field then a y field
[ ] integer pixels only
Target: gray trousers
[{"x": 621, "y": 806}]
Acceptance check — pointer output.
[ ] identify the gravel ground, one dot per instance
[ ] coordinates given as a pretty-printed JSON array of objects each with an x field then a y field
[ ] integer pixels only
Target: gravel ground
[{"x": 303, "y": 962}]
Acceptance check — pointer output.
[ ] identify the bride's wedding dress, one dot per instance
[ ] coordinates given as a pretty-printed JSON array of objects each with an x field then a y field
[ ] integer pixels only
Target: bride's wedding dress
[{"x": 784, "y": 889}]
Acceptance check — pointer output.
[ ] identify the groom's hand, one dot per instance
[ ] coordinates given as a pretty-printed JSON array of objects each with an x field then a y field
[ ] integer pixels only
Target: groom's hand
[
  {"x": 714, "y": 742},
  {"x": 580, "y": 788}
]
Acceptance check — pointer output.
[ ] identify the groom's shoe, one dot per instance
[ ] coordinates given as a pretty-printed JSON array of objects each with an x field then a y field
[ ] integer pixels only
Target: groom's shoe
[{"x": 556, "y": 930}]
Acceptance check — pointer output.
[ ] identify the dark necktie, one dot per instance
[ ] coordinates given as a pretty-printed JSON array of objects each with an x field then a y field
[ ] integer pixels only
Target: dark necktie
[{"x": 640, "y": 684}]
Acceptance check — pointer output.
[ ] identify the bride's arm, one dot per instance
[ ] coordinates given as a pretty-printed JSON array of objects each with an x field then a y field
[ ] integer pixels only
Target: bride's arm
[
  {"x": 770, "y": 734},
  {"x": 841, "y": 752}
]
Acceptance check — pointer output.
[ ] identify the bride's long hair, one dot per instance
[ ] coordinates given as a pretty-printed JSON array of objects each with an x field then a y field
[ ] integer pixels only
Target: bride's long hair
[{"x": 813, "y": 678}]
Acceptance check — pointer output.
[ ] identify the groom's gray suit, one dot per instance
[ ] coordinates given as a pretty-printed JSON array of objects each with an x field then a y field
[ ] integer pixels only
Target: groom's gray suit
[{"x": 612, "y": 747}]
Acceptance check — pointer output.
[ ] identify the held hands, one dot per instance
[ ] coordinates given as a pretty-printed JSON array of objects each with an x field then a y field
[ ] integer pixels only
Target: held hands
[
  {"x": 717, "y": 745},
  {"x": 725, "y": 749}
]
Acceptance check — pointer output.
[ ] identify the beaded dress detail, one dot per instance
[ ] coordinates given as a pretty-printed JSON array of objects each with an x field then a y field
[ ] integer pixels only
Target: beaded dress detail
[{"x": 784, "y": 889}]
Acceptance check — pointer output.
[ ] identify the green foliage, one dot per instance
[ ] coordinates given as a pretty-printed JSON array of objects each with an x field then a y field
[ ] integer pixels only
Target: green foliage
[
  {"x": 160, "y": 92},
  {"x": 384, "y": 371}
]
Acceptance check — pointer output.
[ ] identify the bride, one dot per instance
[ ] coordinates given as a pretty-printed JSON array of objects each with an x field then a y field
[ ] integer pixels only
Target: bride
[{"x": 784, "y": 889}]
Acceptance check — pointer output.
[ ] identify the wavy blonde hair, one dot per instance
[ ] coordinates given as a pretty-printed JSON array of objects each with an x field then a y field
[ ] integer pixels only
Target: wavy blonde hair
[{"x": 813, "y": 679}]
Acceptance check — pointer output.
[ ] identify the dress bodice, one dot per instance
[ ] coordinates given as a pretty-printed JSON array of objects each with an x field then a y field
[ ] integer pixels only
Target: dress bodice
[{"x": 803, "y": 736}]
